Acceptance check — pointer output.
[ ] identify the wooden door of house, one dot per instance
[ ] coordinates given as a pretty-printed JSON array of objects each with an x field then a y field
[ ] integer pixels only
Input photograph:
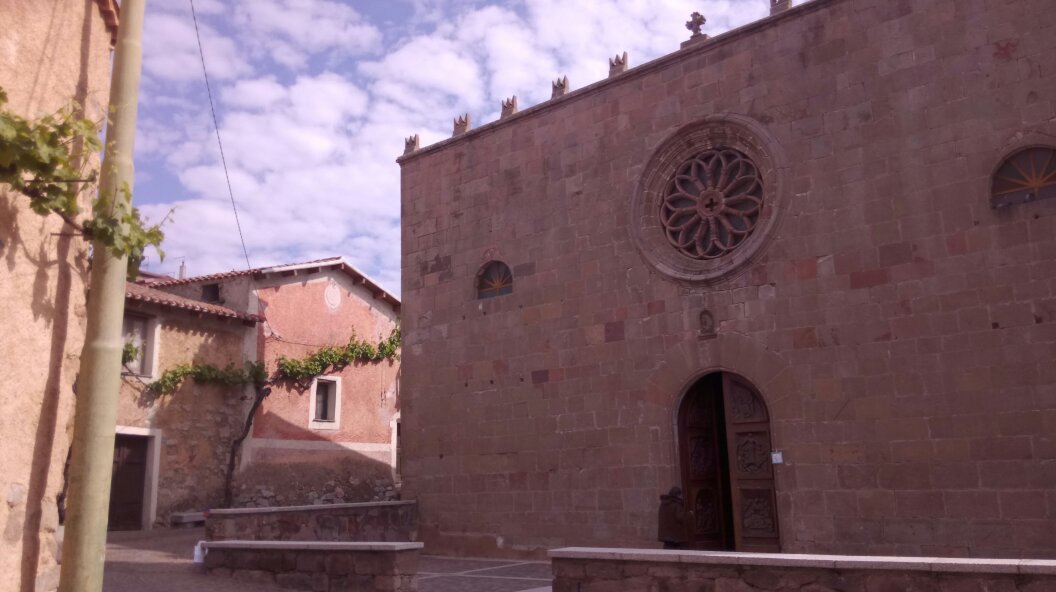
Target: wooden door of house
[
  {"x": 727, "y": 478},
  {"x": 127, "y": 483}
]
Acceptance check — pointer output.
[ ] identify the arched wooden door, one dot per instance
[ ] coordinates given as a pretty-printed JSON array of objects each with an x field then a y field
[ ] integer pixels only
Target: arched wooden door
[{"x": 727, "y": 476}]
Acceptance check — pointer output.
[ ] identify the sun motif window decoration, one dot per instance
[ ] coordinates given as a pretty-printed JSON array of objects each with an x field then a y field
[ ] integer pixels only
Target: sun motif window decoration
[
  {"x": 1027, "y": 175},
  {"x": 494, "y": 279},
  {"x": 712, "y": 203}
]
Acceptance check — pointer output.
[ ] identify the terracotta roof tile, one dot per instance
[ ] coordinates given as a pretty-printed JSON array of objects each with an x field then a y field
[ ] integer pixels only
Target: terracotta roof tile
[
  {"x": 111, "y": 13},
  {"x": 379, "y": 292},
  {"x": 223, "y": 275},
  {"x": 141, "y": 293}
]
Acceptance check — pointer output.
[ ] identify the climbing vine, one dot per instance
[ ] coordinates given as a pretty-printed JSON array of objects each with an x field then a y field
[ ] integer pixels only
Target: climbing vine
[
  {"x": 129, "y": 353},
  {"x": 44, "y": 161},
  {"x": 299, "y": 371},
  {"x": 338, "y": 357},
  {"x": 170, "y": 380}
]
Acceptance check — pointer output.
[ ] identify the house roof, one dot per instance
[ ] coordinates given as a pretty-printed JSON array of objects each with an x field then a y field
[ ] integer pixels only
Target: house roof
[
  {"x": 111, "y": 13},
  {"x": 141, "y": 293},
  {"x": 290, "y": 269}
]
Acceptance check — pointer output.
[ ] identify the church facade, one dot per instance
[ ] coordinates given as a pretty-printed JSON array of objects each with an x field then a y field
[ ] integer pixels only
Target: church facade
[{"x": 804, "y": 270}]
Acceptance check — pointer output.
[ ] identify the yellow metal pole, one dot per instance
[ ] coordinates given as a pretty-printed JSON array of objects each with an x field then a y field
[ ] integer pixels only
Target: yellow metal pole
[{"x": 95, "y": 416}]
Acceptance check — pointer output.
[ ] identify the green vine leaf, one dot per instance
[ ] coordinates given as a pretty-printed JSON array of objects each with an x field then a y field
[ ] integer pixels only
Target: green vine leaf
[
  {"x": 339, "y": 357},
  {"x": 302, "y": 370},
  {"x": 171, "y": 380},
  {"x": 44, "y": 160},
  {"x": 129, "y": 353}
]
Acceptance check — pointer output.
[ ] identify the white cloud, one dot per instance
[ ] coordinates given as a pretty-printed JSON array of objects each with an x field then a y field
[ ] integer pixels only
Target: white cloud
[
  {"x": 311, "y": 151},
  {"x": 170, "y": 50},
  {"x": 430, "y": 64},
  {"x": 255, "y": 93},
  {"x": 293, "y": 30},
  {"x": 327, "y": 99}
]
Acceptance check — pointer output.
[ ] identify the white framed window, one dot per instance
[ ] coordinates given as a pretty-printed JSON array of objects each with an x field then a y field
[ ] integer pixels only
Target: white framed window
[
  {"x": 324, "y": 409},
  {"x": 137, "y": 355}
]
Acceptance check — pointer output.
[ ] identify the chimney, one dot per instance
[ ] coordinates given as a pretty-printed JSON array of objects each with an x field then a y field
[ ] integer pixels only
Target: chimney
[{"x": 183, "y": 270}]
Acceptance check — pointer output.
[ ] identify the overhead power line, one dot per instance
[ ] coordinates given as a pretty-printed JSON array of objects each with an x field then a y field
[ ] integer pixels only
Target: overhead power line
[{"x": 216, "y": 126}]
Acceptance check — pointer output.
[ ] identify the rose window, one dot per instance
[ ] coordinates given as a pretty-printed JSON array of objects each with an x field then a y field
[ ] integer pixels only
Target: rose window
[{"x": 712, "y": 204}]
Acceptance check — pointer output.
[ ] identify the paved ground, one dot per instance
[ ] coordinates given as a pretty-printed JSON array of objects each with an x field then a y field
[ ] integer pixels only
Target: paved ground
[
  {"x": 160, "y": 561},
  {"x": 443, "y": 574}
]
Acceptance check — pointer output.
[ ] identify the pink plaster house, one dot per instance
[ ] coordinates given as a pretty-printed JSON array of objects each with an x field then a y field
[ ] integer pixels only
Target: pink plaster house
[{"x": 348, "y": 414}]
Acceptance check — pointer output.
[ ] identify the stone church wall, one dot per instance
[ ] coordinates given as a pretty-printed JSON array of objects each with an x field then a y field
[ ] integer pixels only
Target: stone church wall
[{"x": 901, "y": 331}]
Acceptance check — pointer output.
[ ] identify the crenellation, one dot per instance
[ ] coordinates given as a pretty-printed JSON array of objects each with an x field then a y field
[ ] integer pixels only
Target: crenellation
[
  {"x": 559, "y": 87},
  {"x": 779, "y": 6},
  {"x": 462, "y": 125},
  {"x": 618, "y": 65},
  {"x": 411, "y": 144},
  {"x": 509, "y": 107}
]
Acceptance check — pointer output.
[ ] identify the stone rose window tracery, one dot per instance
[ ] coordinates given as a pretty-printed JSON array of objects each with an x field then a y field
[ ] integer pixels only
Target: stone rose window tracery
[
  {"x": 709, "y": 199},
  {"x": 712, "y": 203}
]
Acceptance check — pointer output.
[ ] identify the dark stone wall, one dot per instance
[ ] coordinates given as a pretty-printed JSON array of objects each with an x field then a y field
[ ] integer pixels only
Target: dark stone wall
[
  {"x": 368, "y": 522},
  {"x": 901, "y": 332},
  {"x": 589, "y": 575},
  {"x": 321, "y": 571}
]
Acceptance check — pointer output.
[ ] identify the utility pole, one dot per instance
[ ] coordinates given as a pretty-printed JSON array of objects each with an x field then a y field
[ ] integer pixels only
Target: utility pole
[{"x": 95, "y": 416}]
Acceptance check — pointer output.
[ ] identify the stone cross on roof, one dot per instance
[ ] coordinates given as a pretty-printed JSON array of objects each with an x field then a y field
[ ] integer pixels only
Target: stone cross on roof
[{"x": 695, "y": 22}]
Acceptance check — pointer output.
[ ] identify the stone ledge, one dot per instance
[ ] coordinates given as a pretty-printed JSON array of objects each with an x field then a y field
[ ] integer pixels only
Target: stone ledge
[
  {"x": 317, "y": 507},
  {"x": 313, "y": 546},
  {"x": 865, "y": 562},
  {"x": 186, "y": 518}
]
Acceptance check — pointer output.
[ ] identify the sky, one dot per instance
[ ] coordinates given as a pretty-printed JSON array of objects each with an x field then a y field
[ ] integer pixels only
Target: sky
[{"x": 314, "y": 99}]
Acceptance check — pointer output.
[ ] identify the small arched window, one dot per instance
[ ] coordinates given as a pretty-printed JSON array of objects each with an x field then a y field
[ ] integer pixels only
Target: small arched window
[
  {"x": 1027, "y": 175},
  {"x": 494, "y": 279}
]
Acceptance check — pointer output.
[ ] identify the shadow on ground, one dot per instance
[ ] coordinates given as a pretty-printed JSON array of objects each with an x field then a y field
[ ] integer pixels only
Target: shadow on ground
[{"x": 160, "y": 561}]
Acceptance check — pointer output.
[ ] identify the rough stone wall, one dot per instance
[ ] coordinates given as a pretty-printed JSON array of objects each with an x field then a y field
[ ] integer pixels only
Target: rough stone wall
[
  {"x": 198, "y": 422},
  {"x": 52, "y": 53},
  {"x": 584, "y": 575},
  {"x": 321, "y": 571},
  {"x": 901, "y": 332},
  {"x": 333, "y": 479},
  {"x": 386, "y": 521}
]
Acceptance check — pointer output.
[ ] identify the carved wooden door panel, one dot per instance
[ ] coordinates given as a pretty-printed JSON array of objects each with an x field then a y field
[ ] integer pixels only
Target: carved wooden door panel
[
  {"x": 751, "y": 473},
  {"x": 704, "y": 467}
]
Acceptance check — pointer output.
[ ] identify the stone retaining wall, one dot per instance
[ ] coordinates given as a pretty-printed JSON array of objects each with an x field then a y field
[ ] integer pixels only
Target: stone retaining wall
[
  {"x": 579, "y": 569},
  {"x": 320, "y": 567},
  {"x": 376, "y": 521}
]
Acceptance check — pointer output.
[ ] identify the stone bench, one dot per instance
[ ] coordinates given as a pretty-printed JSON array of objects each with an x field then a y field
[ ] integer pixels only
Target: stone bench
[
  {"x": 318, "y": 566},
  {"x": 584, "y": 569},
  {"x": 395, "y": 521},
  {"x": 186, "y": 519}
]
